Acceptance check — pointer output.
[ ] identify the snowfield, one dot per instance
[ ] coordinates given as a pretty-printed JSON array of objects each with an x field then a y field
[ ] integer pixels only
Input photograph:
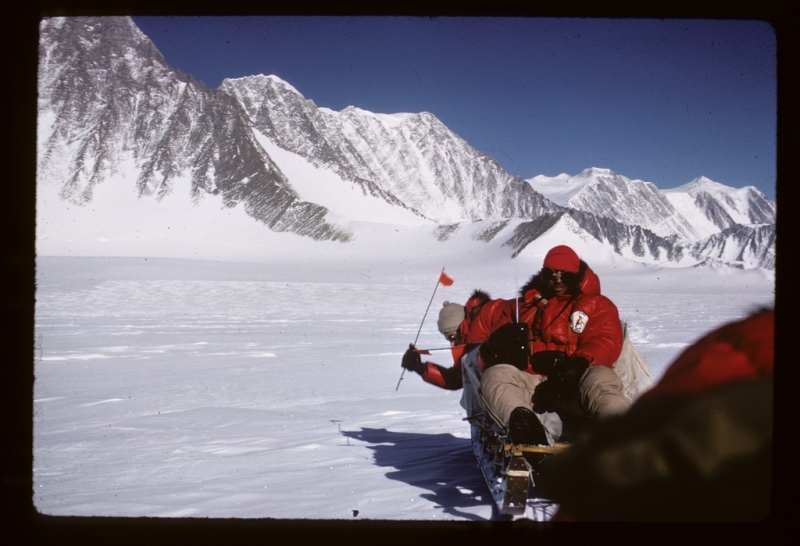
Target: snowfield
[
  {"x": 191, "y": 362},
  {"x": 174, "y": 388}
]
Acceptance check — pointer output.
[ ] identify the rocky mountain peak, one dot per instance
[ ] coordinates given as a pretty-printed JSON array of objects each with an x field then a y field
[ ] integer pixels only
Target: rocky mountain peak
[
  {"x": 702, "y": 183},
  {"x": 112, "y": 112},
  {"x": 108, "y": 103}
]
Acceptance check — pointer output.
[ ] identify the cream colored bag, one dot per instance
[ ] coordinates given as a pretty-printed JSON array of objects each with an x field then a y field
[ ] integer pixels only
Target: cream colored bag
[{"x": 632, "y": 369}]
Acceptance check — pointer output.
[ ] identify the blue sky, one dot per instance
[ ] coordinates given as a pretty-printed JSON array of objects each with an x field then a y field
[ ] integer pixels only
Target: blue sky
[{"x": 664, "y": 101}]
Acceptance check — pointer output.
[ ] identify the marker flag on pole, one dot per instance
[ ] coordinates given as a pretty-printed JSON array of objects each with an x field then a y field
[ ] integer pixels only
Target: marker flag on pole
[{"x": 445, "y": 279}]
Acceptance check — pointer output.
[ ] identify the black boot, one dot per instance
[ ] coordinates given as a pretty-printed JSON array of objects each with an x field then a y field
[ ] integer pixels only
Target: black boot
[{"x": 525, "y": 428}]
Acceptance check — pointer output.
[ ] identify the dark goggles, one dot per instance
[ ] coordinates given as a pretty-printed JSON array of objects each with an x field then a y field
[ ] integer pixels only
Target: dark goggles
[
  {"x": 567, "y": 277},
  {"x": 452, "y": 338}
]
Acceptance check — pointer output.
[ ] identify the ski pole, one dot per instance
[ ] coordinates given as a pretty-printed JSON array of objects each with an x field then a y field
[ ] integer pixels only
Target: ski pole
[{"x": 447, "y": 281}]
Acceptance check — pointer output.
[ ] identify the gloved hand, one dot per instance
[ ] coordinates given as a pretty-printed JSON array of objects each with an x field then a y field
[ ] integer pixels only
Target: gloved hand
[
  {"x": 547, "y": 362},
  {"x": 507, "y": 345},
  {"x": 412, "y": 361},
  {"x": 563, "y": 382}
]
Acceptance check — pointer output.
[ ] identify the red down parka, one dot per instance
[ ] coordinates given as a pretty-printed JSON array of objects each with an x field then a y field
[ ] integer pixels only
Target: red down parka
[
  {"x": 446, "y": 378},
  {"x": 585, "y": 325},
  {"x": 739, "y": 351},
  {"x": 491, "y": 315}
]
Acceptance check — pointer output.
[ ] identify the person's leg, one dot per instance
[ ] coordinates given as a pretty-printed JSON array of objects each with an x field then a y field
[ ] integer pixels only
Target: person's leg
[
  {"x": 505, "y": 388},
  {"x": 601, "y": 393},
  {"x": 505, "y": 394}
]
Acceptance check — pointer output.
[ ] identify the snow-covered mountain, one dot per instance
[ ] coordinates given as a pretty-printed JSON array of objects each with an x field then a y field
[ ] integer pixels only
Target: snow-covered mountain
[
  {"x": 410, "y": 160},
  {"x": 109, "y": 105},
  {"x": 740, "y": 246},
  {"x": 713, "y": 207},
  {"x": 703, "y": 218},
  {"x": 605, "y": 193},
  {"x": 109, "y": 102},
  {"x": 135, "y": 157}
]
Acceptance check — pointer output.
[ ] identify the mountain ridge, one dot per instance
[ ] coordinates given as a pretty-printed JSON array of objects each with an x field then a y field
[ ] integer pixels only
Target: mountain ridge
[
  {"x": 170, "y": 123},
  {"x": 110, "y": 106}
]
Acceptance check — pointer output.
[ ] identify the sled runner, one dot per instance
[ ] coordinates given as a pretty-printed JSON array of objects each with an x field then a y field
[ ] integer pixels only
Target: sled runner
[{"x": 510, "y": 471}]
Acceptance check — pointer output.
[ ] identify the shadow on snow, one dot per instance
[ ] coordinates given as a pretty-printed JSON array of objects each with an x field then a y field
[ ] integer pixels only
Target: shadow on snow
[{"x": 441, "y": 463}]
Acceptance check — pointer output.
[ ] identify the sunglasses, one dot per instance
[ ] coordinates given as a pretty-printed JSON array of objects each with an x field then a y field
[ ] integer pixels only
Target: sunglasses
[
  {"x": 452, "y": 337},
  {"x": 567, "y": 277}
]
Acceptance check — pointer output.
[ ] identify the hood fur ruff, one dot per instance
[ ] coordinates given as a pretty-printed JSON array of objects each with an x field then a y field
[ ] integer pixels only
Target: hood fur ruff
[{"x": 588, "y": 282}]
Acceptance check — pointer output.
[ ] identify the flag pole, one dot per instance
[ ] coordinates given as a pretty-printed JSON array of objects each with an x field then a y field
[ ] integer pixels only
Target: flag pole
[
  {"x": 516, "y": 289},
  {"x": 438, "y": 280}
]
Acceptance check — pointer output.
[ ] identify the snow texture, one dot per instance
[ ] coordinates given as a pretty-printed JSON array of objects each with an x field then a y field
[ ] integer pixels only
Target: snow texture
[
  {"x": 223, "y": 299},
  {"x": 170, "y": 387}
]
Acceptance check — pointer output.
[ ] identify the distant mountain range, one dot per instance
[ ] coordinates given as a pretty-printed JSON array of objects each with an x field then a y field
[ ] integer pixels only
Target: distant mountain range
[{"x": 111, "y": 109}]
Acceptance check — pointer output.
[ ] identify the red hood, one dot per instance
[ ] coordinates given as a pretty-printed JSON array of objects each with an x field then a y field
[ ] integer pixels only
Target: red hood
[
  {"x": 591, "y": 282},
  {"x": 589, "y": 285}
]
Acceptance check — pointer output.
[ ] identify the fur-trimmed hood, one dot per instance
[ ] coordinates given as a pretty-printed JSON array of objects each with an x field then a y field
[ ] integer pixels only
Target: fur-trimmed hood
[
  {"x": 475, "y": 302},
  {"x": 588, "y": 282}
]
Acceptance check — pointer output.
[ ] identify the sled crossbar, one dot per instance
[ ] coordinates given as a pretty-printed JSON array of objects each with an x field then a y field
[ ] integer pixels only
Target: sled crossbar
[{"x": 558, "y": 448}]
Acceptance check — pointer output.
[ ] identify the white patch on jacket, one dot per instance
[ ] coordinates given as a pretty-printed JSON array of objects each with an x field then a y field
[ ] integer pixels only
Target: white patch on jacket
[{"x": 577, "y": 321}]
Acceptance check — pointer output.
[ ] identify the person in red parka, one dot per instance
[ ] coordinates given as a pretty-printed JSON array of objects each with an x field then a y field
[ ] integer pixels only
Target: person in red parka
[
  {"x": 575, "y": 338},
  {"x": 695, "y": 447},
  {"x": 452, "y": 325},
  {"x": 465, "y": 327}
]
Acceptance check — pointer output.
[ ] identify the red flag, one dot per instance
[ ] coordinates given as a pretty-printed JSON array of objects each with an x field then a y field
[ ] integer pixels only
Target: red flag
[
  {"x": 445, "y": 279},
  {"x": 422, "y": 351}
]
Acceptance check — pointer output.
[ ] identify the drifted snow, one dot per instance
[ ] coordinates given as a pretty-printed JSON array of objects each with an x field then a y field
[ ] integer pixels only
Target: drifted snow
[
  {"x": 209, "y": 389},
  {"x": 262, "y": 383}
]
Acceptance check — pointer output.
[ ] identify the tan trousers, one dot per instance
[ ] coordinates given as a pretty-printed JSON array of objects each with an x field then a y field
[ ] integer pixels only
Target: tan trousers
[{"x": 504, "y": 388}]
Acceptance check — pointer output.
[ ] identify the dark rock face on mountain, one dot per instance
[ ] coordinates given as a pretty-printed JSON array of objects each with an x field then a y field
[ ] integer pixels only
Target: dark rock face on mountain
[
  {"x": 410, "y": 160},
  {"x": 713, "y": 210},
  {"x": 622, "y": 238},
  {"x": 741, "y": 244},
  {"x": 106, "y": 94},
  {"x": 757, "y": 208},
  {"x": 642, "y": 242},
  {"x": 490, "y": 231},
  {"x": 527, "y": 232}
]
